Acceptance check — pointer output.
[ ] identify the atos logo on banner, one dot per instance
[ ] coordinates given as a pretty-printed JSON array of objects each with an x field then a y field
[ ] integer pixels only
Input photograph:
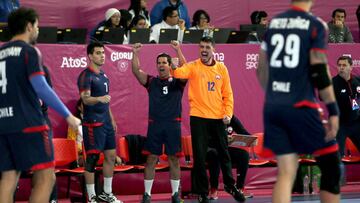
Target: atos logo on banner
[
  {"x": 251, "y": 61},
  {"x": 219, "y": 57},
  {"x": 69, "y": 62}
]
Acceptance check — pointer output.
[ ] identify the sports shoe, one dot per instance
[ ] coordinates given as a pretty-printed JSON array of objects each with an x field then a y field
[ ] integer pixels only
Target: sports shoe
[
  {"x": 175, "y": 198},
  {"x": 203, "y": 198},
  {"x": 213, "y": 194},
  {"x": 110, "y": 198},
  {"x": 233, "y": 191},
  {"x": 146, "y": 198},
  {"x": 246, "y": 194},
  {"x": 93, "y": 199}
]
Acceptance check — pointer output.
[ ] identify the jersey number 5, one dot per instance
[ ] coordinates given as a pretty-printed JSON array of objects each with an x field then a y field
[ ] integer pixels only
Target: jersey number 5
[
  {"x": 291, "y": 46},
  {"x": 3, "y": 81},
  {"x": 165, "y": 90}
]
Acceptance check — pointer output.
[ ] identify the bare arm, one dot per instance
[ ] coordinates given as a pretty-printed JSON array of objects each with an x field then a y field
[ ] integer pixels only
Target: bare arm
[
  {"x": 262, "y": 71},
  {"x": 113, "y": 122},
  {"x": 176, "y": 46},
  {"x": 140, "y": 75},
  {"x": 89, "y": 100},
  {"x": 326, "y": 94}
]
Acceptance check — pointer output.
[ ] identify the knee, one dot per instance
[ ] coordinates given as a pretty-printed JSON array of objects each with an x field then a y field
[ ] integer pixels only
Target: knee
[
  {"x": 330, "y": 172},
  {"x": 151, "y": 160},
  {"x": 110, "y": 158},
  {"x": 90, "y": 163},
  {"x": 173, "y": 160}
]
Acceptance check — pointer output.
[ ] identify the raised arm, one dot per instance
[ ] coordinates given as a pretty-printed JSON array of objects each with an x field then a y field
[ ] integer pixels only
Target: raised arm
[
  {"x": 140, "y": 75},
  {"x": 176, "y": 46}
]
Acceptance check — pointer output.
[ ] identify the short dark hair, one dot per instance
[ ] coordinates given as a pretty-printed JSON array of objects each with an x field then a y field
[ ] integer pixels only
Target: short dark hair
[
  {"x": 90, "y": 48},
  {"x": 256, "y": 16},
  {"x": 196, "y": 17},
  {"x": 208, "y": 39},
  {"x": 167, "y": 12},
  {"x": 345, "y": 57},
  {"x": 340, "y": 10},
  {"x": 168, "y": 57},
  {"x": 19, "y": 19}
]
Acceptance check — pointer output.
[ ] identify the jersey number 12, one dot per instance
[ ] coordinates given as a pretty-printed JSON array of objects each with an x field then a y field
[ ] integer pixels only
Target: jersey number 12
[{"x": 3, "y": 81}]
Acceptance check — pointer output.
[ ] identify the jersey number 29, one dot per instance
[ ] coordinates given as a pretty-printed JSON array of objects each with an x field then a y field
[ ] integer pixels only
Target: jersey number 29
[
  {"x": 3, "y": 81},
  {"x": 291, "y": 46}
]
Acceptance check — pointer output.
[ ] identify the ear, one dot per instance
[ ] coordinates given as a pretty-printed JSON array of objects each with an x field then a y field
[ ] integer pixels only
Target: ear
[{"x": 29, "y": 27}]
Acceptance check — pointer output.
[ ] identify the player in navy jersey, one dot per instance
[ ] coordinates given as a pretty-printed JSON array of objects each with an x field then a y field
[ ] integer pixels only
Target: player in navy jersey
[
  {"x": 165, "y": 93},
  {"x": 24, "y": 135},
  {"x": 292, "y": 62},
  {"x": 99, "y": 126}
]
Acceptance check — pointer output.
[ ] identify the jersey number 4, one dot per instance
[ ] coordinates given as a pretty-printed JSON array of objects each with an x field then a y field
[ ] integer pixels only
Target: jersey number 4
[
  {"x": 291, "y": 46},
  {"x": 3, "y": 81}
]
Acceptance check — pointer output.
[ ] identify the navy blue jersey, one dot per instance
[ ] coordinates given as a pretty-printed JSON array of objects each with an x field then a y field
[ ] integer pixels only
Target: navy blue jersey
[
  {"x": 98, "y": 85},
  {"x": 164, "y": 98},
  {"x": 288, "y": 41},
  {"x": 19, "y": 105}
]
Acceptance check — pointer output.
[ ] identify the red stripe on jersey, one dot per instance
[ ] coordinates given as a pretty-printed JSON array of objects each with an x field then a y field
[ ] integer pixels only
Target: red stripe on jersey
[
  {"x": 40, "y": 166},
  {"x": 35, "y": 129},
  {"x": 145, "y": 152},
  {"x": 37, "y": 73},
  {"x": 178, "y": 119},
  {"x": 93, "y": 70},
  {"x": 306, "y": 103},
  {"x": 97, "y": 124},
  {"x": 319, "y": 50},
  {"x": 327, "y": 150},
  {"x": 296, "y": 8},
  {"x": 93, "y": 151}
]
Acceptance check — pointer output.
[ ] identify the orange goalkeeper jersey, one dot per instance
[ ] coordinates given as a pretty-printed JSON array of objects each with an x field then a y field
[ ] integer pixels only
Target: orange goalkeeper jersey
[{"x": 210, "y": 93}]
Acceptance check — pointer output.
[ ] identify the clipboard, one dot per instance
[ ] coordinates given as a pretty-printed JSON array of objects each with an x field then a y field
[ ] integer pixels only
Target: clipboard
[{"x": 239, "y": 140}]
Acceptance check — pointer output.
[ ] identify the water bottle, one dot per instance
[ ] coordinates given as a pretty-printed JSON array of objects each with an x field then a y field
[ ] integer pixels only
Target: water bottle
[
  {"x": 306, "y": 183},
  {"x": 314, "y": 184}
]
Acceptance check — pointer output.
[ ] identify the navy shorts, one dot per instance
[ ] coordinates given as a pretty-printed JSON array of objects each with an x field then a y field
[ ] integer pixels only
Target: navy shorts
[
  {"x": 98, "y": 137},
  {"x": 295, "y": 130},
  {"x": 26, "y": 151},
  {"x": 163, "y": 132}
]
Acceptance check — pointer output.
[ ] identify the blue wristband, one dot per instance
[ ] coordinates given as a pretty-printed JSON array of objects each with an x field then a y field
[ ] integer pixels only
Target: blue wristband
[{"x": 333, "y": 109}]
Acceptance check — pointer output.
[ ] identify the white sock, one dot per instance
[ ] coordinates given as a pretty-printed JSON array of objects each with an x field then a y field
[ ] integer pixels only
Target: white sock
[
  {"x": 108, "y": 185},
  {"x": 148, "y": 185},
  {"x": 90, "y": 188},
  {"x": 174, "y": 186}
]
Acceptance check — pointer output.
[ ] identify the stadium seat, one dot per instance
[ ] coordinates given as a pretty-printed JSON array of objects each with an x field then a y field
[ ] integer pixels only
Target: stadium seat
[{"x": 352, "y": 154}]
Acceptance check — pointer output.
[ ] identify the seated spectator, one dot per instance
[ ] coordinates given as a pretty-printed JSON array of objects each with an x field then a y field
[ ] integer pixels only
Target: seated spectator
[
  {"x": 170, "y": 21},
  {"x": 112, "y": 20},
  {"x": 138, "y": 22},
  {"x": 338, "y": 31},
  {"x": 239, "y": 158},
  {"x": 179, "y": 5},
  {"x": 257, "y": 18},
  {"x": 126, "y": 18},
  {"x": 201, "y": 21},
  {"x": 6, "y": 6},
  {"x": 138, "y": 8}
]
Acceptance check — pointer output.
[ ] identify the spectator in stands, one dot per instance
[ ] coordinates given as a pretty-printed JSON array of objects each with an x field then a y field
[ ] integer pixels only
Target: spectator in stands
[
  {"x": 179, "y": 5},
  {"x": 6, "y": 6},
  {"x": 201, "y": 21},
  {"x": 112, "y": 20},
  {"x": 139, "y": 22},
  {"x": 257, "y": 18},
  {"x": 338, "y": 31},
  {"x": 126, "y": 18},
  {"x": 239, "y": 157},
  {"x": 138, "y": 8},
  {"x": 170, "y": 21}
]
